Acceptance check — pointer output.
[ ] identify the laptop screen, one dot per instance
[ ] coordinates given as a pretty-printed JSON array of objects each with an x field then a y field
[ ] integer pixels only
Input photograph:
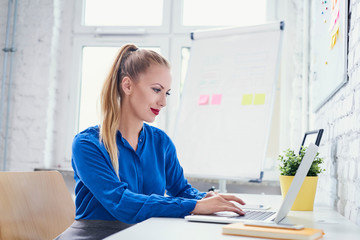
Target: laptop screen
[
  {"x": 312, "y": 137},
  {"x": 297, "y": 182}
]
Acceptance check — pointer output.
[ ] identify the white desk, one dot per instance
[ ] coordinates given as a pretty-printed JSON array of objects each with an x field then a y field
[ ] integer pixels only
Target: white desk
[{"x": 334, "y": 225}]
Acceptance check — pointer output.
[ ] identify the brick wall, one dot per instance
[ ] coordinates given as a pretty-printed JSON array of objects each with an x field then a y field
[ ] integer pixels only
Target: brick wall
[
  {"x": 339, "y": 186},
  {"x": 39, "y": 90},
  {"x": 29, "y": 95}
]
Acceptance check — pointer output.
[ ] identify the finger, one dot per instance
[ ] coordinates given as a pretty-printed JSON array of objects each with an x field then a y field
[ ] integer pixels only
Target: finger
[
  {"x": 233, "y": 209},
  {"x": 240, "y": 211},
  {"x": 231, "y": 206},
  {"x": 210, "y": 194},
  {"x": 233, "y": 198}
]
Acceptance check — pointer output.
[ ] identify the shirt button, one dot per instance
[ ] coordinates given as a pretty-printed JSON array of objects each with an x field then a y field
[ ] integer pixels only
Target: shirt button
[{"x": 140, "y": 140}]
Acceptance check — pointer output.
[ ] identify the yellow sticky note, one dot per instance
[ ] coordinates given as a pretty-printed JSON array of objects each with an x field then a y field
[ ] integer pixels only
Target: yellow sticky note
[
  {"x": 259, "y": 99},
  {"x": 334, "y": 37},
  {"x": 247, "y": 99}
]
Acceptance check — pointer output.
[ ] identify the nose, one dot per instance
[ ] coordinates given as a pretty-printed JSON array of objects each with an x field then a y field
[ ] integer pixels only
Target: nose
[{"x": 162, "y": 100}]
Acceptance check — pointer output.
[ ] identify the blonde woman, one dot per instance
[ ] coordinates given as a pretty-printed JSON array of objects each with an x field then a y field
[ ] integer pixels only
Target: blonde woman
[{"x": 124, "y": 167}]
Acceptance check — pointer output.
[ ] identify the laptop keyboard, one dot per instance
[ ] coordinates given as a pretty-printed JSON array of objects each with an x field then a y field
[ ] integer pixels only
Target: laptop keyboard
[{"x": 256, "y": 215}]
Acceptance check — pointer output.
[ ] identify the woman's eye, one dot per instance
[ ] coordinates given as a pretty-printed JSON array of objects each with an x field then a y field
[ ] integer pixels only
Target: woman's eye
[
  {"x": 168, "y": 94},
  {"x": 156, "y": 90}
]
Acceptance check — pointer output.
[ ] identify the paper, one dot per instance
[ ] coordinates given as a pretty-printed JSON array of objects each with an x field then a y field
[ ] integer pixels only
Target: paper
[
  {"x": 203, "y": 100},
  {"x": 334, "y": 36},
  {"x": 334, "y": 23},
  {"x": 259, "y": 99},
  {"x": 335, "y": 15},
  {"x": 247, "y": 99},
  {"x": 216, "y": 99}
]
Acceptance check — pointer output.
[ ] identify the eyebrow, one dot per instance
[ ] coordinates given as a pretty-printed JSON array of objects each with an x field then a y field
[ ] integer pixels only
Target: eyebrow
[{"x": 159, "y": 85}]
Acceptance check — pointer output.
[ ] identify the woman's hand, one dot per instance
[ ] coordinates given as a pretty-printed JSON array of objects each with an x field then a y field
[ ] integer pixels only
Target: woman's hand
[{"x": 215, "y": 202}]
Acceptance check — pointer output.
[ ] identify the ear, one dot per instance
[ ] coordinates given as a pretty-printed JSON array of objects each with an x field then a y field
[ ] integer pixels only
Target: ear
[{"x": 127, "y": 85}]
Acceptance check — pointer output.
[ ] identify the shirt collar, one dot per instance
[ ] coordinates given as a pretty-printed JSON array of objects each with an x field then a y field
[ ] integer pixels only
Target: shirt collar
[{"x": 141, "y": 134}]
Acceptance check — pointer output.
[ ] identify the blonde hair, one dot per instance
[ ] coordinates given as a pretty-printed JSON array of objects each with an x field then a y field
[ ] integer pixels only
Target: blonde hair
[{"x": 130, "y": 62}]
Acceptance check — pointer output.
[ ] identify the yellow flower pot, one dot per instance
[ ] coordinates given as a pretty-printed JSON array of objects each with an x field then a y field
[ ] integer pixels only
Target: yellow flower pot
[{"x": 306, "y": 196}]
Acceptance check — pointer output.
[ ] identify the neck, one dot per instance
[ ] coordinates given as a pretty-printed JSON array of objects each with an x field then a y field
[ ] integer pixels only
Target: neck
[{"x": 129, "y": 126}]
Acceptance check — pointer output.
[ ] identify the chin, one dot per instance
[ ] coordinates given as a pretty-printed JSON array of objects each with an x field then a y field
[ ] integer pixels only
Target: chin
[{"x": 150, "y": 120}]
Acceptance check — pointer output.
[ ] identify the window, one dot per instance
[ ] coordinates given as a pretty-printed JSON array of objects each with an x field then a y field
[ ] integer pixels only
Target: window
[
  {"x": 102, "y": 27},
  {"x": 96, "y": 62},
  {"x": 123, "y": 13},
  {"x": 122, "y": 17}
]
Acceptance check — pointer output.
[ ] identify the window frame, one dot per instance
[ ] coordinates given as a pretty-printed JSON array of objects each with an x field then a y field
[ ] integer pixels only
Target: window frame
[
  {"x": 171, "y": 37},
  {"x": 80, "y": 28},
  {"x": 81, "y": 42},
  {"x": 75, "y": 91}
]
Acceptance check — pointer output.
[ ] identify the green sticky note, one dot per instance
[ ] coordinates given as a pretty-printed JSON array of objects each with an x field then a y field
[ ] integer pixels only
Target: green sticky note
[
  {"x": 259, "y": 99},
  {"x": 247, "y": 99}
]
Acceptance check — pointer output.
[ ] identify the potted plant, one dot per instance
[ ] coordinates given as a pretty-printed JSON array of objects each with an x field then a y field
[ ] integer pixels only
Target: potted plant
[{"x": 289, "y": 163}]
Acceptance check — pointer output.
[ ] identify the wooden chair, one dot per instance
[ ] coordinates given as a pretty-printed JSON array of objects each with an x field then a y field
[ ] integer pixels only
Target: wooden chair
[{"x": 34, "y": 205}]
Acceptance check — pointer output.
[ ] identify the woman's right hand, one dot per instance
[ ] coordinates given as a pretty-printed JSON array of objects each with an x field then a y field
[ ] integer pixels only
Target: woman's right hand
[{"x": 218, "y": 203}]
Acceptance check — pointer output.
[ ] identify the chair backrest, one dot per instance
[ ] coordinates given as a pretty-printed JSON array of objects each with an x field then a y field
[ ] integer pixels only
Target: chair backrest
[{"x": 34, "y": 205}]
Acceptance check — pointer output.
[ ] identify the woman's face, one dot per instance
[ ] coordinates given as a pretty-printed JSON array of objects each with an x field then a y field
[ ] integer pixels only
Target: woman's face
[{"x": 149, "y": 92}]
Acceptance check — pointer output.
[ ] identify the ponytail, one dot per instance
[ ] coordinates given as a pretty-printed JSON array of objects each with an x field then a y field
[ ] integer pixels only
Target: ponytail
[{"x": 129, "y": 62}]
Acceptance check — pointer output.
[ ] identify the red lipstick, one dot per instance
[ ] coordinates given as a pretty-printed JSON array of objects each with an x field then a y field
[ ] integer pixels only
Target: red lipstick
[{"x": 155, "y": 111}]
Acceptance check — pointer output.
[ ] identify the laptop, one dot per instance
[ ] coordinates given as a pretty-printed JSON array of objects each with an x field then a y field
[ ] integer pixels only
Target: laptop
[
  {"x": 266, "y": 216},
  {"x": 312, "y": 137}
]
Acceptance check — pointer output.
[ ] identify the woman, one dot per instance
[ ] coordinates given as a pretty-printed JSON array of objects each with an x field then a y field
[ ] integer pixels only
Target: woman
[{"x": 126, "y": 170}]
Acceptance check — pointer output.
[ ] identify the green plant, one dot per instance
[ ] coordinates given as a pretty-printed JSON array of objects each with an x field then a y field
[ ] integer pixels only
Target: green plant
[{"x": 289, "y": 163}]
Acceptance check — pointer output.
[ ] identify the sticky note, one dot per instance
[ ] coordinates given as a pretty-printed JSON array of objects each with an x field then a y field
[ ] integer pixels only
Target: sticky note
[
  {"x": 259, "y": 99},
  {"x": 335, "y": 16},
  {"x": 203, "y": 100},
  {"x": 216, "y": 99},
  {"x": 334, "y": 37},
  {"x": 247, "y": 99}
]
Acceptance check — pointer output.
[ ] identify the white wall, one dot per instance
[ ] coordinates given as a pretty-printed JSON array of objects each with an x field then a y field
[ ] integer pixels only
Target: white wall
[
  {"x": 42, "y": 83},
  {"x": 291, "y": 74},
  {"x": 339, "y": 186}
]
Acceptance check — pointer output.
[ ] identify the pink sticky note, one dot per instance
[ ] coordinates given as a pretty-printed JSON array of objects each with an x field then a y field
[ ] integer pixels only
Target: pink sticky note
[
  {"x": 203, "y": 100},
  {"x": 216, "y": 99}
]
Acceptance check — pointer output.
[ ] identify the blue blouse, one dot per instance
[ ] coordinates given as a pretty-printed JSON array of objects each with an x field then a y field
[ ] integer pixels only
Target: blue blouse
[{"x": 146, "y": 175}]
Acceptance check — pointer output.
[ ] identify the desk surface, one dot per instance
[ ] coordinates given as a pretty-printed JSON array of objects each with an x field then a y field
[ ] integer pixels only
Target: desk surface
[{"x": 334, "y": 225}]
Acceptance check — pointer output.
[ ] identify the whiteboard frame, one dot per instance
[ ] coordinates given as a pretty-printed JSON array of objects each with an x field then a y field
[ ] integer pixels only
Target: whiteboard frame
[
  {"x": 345, "y": 79},
  {"x": 218, "y": 32}
]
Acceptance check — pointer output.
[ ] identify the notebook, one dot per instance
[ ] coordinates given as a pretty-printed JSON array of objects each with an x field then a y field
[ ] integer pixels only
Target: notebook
[
  {"x": 242, "y": 229},
  {"x": 266, "y": 216}
]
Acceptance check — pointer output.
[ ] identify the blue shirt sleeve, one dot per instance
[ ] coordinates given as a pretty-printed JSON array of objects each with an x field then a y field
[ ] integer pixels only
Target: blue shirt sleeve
[
  {"x": 94, "y": 169},
  {"x": 176, "y": 183}
]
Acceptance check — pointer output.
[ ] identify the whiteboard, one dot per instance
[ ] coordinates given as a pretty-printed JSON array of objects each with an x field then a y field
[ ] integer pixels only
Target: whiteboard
[
  {"x": 329, "y": 50},
  {"x": 224, "y": 119}
]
